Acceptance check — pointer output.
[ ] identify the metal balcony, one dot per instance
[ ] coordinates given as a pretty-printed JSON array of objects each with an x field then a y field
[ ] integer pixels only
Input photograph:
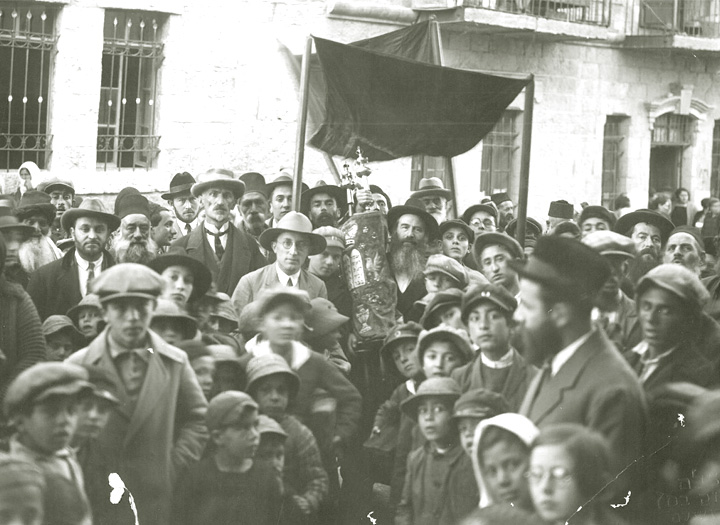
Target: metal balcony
[{"x": 594, "y": 12}]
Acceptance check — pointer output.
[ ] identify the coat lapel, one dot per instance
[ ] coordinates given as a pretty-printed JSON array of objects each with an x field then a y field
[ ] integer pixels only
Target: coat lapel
[
  {"x": 99, "y": 355},
  {"x": 236, "y": 259},
  {"x": 516, "y": 377},
  {"x": 270, "y": 279}
]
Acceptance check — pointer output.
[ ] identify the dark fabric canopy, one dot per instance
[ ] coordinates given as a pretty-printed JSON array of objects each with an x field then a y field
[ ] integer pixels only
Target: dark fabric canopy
[{"x": 383, "y": 95}]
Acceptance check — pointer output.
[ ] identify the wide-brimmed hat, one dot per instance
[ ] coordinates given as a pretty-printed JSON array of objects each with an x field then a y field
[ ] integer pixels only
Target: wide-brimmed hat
[
  {"x": 180, "y": 184},
  {"x": 497, "y": 295},
  {"x": 127, "y": 280},
  {"x": 336, "y": 192},
  {"x": 8, "y": 222},
  {"x": 610, "y": 244},
  {"x": 625, "y": 224},
  {"x": 532, "y": 227},
  {"x": 431, "y": 186},
  {"x": 442, "y": 387},
  {"x": 53, "y": 183},
  {"x": 91, "y": 300},
  {"x": 472, "y": 210},
  {"x": 62, "y": 323},
  {"x": 168, "y": 309},
  {"x": 456, "y": 223},
  {"x": 33, "y": 202},
  {"x": 270, "y": 364},
  {"x": 417, "y": 208},
  {"x": 93, "y": 208},
  {"x": 490, "y": 238},
  {"x": 324, "y": 317},
  {"x": 202, "y": 278},
  {"x": 448, "y": 334},
  {"x": 283, "y": 180},
  {"x": 218, "y": 178},
  {"x": 598, "y": 212},
  {"x": 43, "y": 380},
  {"x": 254, "y": 183},
  {"x": 293, "y": 222}
]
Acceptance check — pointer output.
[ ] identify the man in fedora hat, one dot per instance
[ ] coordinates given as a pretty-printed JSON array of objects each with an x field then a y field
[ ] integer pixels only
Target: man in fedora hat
[
  {"x": 134, "y": 244},
  {"x": 36, "y": 210},
  {"x": 433, "y": 194},
  {"x": 62, "y": 193},
  {"x": 292, "y": 241},
  {"x": 323, "y": 204},
  {"x": 158, "y": 428},
  {"x": 58, "y": 286},
  {"x": 227, "y": 252},
  {"x": 184, "y": 203},
  {"x": 253, "y": 206},
  {"x": 280, "y": 193}
]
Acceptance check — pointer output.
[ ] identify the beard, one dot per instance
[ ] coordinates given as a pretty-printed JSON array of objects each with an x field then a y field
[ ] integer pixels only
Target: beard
[
  {"x": 408, "y": 256},
  {"x": 323, "y": 218},
  {"x": 36, "y": 252},
  {"x": 254, "y": 223},
  {"x": 643, "y": 262},
  {"x": 542, "y": 343},
  {"x": 129, "y": 251}
]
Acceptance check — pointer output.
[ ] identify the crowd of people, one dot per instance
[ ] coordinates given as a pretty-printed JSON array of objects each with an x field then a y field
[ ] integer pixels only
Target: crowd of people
[{"x": 206, "y": 359}]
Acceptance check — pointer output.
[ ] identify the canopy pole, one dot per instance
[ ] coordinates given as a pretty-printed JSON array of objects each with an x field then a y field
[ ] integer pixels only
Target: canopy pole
[
  {"x": 525, "y": 160},
  {"x": 301, "y": 124}
]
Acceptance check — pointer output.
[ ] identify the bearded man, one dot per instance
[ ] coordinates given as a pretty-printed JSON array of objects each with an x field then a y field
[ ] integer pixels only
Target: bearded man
[
  {"x": 505, "y": 207},
  {"x": 134, "y": 244},
  {"x": 36, "y": 210},
  {"x": 253, "y": 205},
  {"x": 323, "y": 204}
]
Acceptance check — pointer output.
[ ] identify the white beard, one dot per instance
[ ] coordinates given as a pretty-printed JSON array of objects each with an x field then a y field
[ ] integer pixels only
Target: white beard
[{"x": 35, "y": 253}]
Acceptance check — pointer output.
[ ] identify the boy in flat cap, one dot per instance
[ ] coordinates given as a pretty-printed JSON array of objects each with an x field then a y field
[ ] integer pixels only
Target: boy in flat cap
[
  {"x": 61, "y": 337},
  {"x": 488, "y": 313},
  {"x": 158, "y": 428},
  {"x": 473, "y": 407},
  {"x": 230, "y": 487}
]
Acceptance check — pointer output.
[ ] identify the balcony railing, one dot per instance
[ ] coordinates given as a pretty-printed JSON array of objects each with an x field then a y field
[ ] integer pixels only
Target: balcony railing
[
  {"x": 700, "y": 18},
  {"x": 595, "y": 12}
]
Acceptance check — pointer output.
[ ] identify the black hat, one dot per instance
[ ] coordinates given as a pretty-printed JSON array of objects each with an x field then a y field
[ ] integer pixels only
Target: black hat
[
  {"x": 446, "y": 298},
  {"x": 254, "y": 182},
  {"x": 561, "y": 210},
  {"x": 487, "y": 208},
  {"x": 598, "y": 212},
  {"x": 378, "y": 189},
  {"x": 567, "y": 265},
  {"x": 336, "y": 192},
  {"x": 179, "y": 185},
  {"x": 499, "y": 198},
  {"x": 532, "y": 227},
  {"x": 201, "y": 274},
  {"x": 625, "y": 224},
  {"x": 90, "y": 207},
  {"x": 104, "y": 383},
  {"x": 456, "y": 223},
  {"x": 503, "y": 239},
  {"x": 417, "y": 208},
  {"x": 131, "y": 204},
  {"x": 121, "y": 195},
  {"x": 497, "y": 295},
  {"x": 35, "y": 201}
]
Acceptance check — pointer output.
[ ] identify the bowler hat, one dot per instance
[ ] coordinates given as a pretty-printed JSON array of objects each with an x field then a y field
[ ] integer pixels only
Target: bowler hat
[
  {"x": 567, "y": 265},
  {"x": 104, "y": 383},
  {"x": 254, "y": 183},
  {"x": 610, "y": 244},
  {"x": 677, "y": 280},
  {"x": 293, "y": 222},
  {"x": 132, "y": 204},
  {"x": 456, "y": 223},
  {"x": 451, "y": 297},
  {"x": 227, "y": 408},
  {"x": 283, "y": 294},
  {"x": 480, "y": 403},
  {"x": 472, "y": 210},
  {"x": 693, "y": 232},
  {"x": 127, "y": 280},
  {"x": 202, "y": 278},
  {"x": 491, "y": 293},
  {"x": 336, "y": 192},
  {"x": 56, "y": 184},
  {"x": 401, "y": 332},
  {"x": 283, "y": 180},
  {"x": 448, "y": 334},
  {"x": 532, "y": 228},
  {"x": 499, "y": 198},
  {"x": 62, "y": 323},
  {"x": 625, "y": 224},
  {"x": 414, "y": 207},
  {"x": 93, "y": 208},
  {"x": 168, "y": 309},
  {"x": 268, "y": 426},
  {"x": 324, "y": 317},
  {"x": 334, "y": 237},
  {"x": 42, "y": 381},
  {"x": 179, "y": 185},
  {"x": 90, "y": 300},
  {"x": 269, "y": 364},
  {"x": 561, "y": 209},
  {"x": 496, "y": 238},
  {"x": 598, "y": 212},
  {"x": 442, "y": 387},
  {"x": 35, "y": 202},
  {"x": 218, "y": 178},
  {"x": 439, "y": 263},
  {"x": 431, "y": 186}
]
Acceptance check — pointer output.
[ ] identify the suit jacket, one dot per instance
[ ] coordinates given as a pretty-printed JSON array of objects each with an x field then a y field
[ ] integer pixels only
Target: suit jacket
[
  {"x": 163, "y": 434},
  {"x": 55, "y": 287},
  {"x": 596, "y": 388},
  {"x": 241, "y": 256},
  {"x": 253, "y": 283},
  {"x": 625, "y": 332}
]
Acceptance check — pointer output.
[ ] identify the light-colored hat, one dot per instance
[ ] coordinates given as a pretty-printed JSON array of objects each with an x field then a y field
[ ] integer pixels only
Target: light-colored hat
[
  {"x": 431, "y": 387},
  {"x": 431, "y": 186},
  {"x": 127, "y": 280},
  {"x": 267, "y": 425},
  {"x": 439, "y": 263},
  {"x": 91, "y": 300},
  {"x": 294, "y": 222},
  {"x": 445, "y": 333},
  {"x": 93, "y": 208},
  {"x": 280, "y": 294},
  {"x": 324, "y": 317},
  {"x": 227, "y": 408},
  {"x": 218, "y": 178},
  {"x": 334, "y": 237},
  {"x": 48, "y": 185},
  {"x": 610, "y": 243},
  {"x": 59, "y": 323},
  {"x": 677, "y": 280}
]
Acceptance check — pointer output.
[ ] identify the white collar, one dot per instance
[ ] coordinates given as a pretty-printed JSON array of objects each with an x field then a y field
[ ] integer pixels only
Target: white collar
[
  {"x": 564, "y": 355},
  {"x": 212, "y": 229},
  {"x": 643, "y": 350},
  {"x": 300, "y": 352},
  {"x": 283, "y": 277},
  {"x": 410, "y": 385},
  {"x": 504, "y": 362},
  {"x": 83, "y": 264}
]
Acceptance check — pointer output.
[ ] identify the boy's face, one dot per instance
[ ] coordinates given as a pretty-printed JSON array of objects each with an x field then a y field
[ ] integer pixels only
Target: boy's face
[
  {"x": 93, "y": 415},
  {"x": 169, "y": 330},
  {"x": 434, "y": 420},
  {"x": 504, "y": 465},
  {"x": 60, "y": 345},
  {"x": 466, "y": 429},
  {"x": 488, "y": 328},
  {"x": 439, "y": 282},
  {"x": 405, "y": 359},
  {"x": 440, "y": 359},
  {"x": 240, "y": 440},
  {"x": 282, "y": 325},
  {"x": 272, "y": 395},
  {"x": 273, "y": 451},
  {"x": 451, "y": 316},
  {"x": 21, "y": 505},
  {"x": 50, "y": 425},
  {"x": 204, "y": 368},
  {"x": 88, "y": 320}
]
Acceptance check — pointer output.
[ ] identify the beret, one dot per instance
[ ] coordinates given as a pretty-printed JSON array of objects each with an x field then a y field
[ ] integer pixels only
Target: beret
[
  {"x": 447, "y": 334},
  {"x": 270, "y": 364},
  {"x": 127, "y": 280},
  {"x": 677, "y": 280},
  {"x": 226, "y": 408},
  {"x": 480, "y": 403},
  {"x": 497, "y": 295},
  {"x": 439, "y": 263},
  {"x": 401, "y": 332},
  {"x": 609, "y": 243},
  {"x": 432, "y": 387},
  {"x": 43, "y": 380}
]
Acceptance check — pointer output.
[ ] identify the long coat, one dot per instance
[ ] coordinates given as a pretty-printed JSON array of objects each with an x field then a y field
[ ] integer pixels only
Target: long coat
[
  {"x": 163, "y": 434},
  {"x": 596, "y": 388},
  {"x": 55, "y": 287},
  {"x": 241, "y": 256}
]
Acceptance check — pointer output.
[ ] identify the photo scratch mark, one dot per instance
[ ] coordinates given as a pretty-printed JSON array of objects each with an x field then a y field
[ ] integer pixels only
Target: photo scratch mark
[
  {"x": 627, "y": 500},
  {"x": 118, "y": 489},
  {"x": 681, "y": 420},
  {"x": 370, "y": 517}
]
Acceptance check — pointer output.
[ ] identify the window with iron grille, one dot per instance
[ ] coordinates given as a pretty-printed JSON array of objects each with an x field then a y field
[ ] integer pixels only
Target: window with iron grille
[
  {"x": 672, "y": 130},
  {"x": 27, "y": 46},
  {"x": 498, "y": 152},
  {"x": 715, "y": 169},
  {"x": 132, "y": 54},
  {"x": 613, "y": 159}
]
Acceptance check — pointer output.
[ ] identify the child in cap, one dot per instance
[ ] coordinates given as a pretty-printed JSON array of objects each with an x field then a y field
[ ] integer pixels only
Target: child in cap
[
  {"x": 61, "y": 337},
  {"x": 202, "y": 363},
  {"x": 229, "y": 487},
  {"x": 500, "y": 457},
  {"x": 324, "y": 335},
  {"x": 443, "y": 273},
  {"x": 229, "y": 371},
  {"x": 473, "y": 407},
  {"x": 42, "y": 404},
  {"x": 444, "y": 308},
  {"x": 22, "y": 490},
  {"x": 88, "y": 317},
  {"x": 442, "y": 350},
  {"x": 274, "y": 385},
  {"x": 487, "y": 311},
  {"x": 272, "y": 443},
  {"x": 172, "y": 323},
  {"x": 437, "y": 489}
]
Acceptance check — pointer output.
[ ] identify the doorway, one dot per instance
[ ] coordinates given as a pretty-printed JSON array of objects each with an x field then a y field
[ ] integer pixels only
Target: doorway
[{"x": 665, "y": 168}]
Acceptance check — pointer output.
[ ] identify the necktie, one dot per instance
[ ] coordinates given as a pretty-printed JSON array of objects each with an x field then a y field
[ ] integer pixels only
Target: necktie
[
  {"x": 188, "y": 228},
  {"x": 219, "y": 250},
  {"x": 289, "y": 283},
  {"x": 91, "y": 276}
]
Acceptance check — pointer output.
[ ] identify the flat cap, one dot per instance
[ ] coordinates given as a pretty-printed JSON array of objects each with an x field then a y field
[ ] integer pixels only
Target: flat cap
[
  {"x": 281, "y": 295},
  {"x": 491, "y": 293},
  {"x": 480, "y": 403},
  {"x": 227, "y": 408},
  {"x": 127, "y": 280},
  {"x": 439, "y": 263},
  {"x": 693, "y": 232},
  {"x": 561, "y": 209},
  {"x": 532, "y": 228},
  {"x": 267, "y": 425},
  {"x": 456, "y": 223},
  {"x": 334, "y": 237},
  {"x": 496, "y": 238},
  {"x": 324, "y": 317},
  {"x": 490, "y": 209},
  {"x": 43, "y": 380},
  {"x": 608, "y": 243},
  {"x": 401, "y": 332},
  {"x": 270, "y": 364},
  {"x": 446, "y": 298},
  {"x": 54, "y": 184},
  {"x": 598, "y": 212},
  {"x": 677, "y": 280},
  {"x": 442, "y": 387},
  {"x": 104, "y": 383},
  {"x": 447, "y": 334}
]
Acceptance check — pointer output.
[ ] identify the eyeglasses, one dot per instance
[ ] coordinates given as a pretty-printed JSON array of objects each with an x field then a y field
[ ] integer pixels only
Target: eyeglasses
[
  {"x": 559, "y": 475},
  {"x": 300, "y": 245}
]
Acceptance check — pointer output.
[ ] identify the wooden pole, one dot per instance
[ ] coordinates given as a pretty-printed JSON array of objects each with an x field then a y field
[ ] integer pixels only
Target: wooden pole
[
  {"x": 525, "y": 160},
  {"x": 301, "y": 124}
]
